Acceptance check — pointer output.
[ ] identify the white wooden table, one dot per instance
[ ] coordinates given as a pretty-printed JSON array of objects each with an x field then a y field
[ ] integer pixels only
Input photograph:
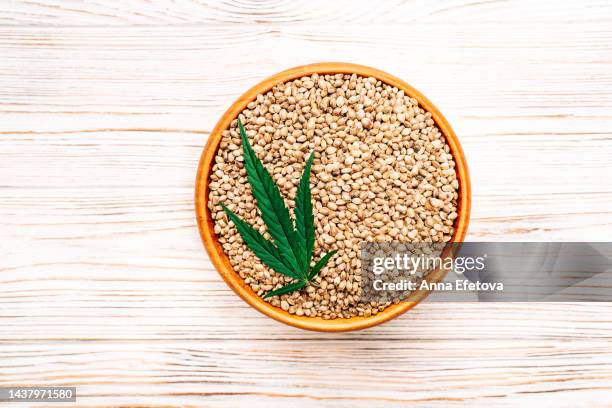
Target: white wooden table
[{"x": 104, "y": 284}]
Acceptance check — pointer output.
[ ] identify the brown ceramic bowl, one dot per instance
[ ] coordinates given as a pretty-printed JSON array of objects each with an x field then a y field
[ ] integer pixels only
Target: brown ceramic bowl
[{"x": 220, "y": 259}]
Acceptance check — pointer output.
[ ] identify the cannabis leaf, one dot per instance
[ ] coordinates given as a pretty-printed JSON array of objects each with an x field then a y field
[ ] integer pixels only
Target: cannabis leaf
[{"x": 291, "y": 250}]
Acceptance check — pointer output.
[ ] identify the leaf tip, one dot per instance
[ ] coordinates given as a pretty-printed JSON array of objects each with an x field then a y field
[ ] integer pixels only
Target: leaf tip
[{"x": 241, "y": 127}]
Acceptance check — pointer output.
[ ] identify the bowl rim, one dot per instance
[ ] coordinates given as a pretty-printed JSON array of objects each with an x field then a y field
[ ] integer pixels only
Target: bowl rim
[{"x": 221, "y": 261}]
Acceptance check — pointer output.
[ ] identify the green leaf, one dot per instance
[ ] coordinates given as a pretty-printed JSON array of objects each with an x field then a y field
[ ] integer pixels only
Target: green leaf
[
  {"x": 262, "y": 248},
  {"x": 319, "y": 265},
  {"x": 304, "y": 218},
  {"x": 286, "y": 289},
  {"x": 291, "y": 252},
  {"x": 272, "y": 206}
]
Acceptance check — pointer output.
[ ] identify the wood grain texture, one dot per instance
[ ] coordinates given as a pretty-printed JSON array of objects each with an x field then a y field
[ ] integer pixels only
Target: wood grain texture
[{"x": 104, "y": 284}]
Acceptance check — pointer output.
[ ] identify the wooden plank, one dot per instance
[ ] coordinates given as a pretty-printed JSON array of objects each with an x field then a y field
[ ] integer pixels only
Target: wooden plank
[
  {"x": 185, "y": 12},
  {"x": 208, "y": 373}
]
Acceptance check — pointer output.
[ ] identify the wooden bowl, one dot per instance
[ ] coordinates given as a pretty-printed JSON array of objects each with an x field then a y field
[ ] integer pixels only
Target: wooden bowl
[{"x": 220, "y": 259}]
